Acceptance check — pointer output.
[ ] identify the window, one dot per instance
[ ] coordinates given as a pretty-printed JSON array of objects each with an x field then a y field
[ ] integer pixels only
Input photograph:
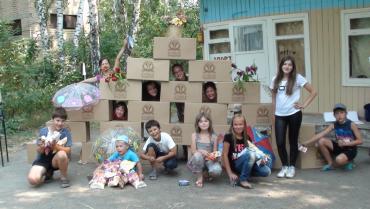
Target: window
[
  {"x": 16, "y": 26},
  {"x": 248, "y": 38},
  {"x": 219, "y": 46},
  {"x": 290, "y": 40},
  {"x": 355, "y": 47},
  {"x": 69, "y": 21}
]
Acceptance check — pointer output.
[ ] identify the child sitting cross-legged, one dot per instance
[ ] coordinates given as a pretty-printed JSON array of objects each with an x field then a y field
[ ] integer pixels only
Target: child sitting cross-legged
[{"x": 122, "y": 167}]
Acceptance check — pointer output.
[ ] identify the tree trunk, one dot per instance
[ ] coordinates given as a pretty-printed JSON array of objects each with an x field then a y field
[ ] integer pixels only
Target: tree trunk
[
  {"x": 94, "y": 35},
  {"x": 41, "y": 12},
  {"x": 135, "y": 19},
  {"x": 182, "y": 4},
  {"x": 76, "y": 35},
  {"x": 60, "y": 39}
]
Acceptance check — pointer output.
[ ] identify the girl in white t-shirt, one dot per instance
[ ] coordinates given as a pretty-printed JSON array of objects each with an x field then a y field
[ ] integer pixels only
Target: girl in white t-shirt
[{"x": 286, "y": 91}]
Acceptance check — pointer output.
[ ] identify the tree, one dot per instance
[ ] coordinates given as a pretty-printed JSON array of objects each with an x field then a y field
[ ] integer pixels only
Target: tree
[
  {"x": 135, "y": 19},
  {"x": 60, "y": 39},
  {"x": 94, "y": 35},
  {"x": 41, "y": 8},
  {"x": 76, "y": 35}
]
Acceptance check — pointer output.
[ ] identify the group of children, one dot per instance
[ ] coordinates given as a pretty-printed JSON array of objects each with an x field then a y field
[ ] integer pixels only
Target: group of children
[{"x": 240, "y": 158}]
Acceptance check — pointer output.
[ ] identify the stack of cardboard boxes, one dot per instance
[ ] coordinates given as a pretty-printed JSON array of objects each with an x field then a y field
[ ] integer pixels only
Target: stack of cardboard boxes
[{"x": 167, "y": 49}]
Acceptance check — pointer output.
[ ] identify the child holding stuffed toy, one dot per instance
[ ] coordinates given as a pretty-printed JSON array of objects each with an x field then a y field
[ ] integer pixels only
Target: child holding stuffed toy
[
  {"x": 204, "y": 150},
  {"x": 53, "y": 147},
  {"x": 122, "y": 167}
]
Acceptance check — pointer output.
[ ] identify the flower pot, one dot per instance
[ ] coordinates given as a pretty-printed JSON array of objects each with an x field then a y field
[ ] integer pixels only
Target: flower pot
[{"x": 174, "y": 31}]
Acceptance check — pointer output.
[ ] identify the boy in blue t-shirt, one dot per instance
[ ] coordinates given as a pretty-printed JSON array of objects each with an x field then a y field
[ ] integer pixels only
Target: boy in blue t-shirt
[
  {"x": 344, "y": 148},
  {"x": 53, "y": 147}
]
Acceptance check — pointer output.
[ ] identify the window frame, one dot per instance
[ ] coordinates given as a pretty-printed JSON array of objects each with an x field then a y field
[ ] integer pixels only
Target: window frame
[{"x": 346, "y": 32}]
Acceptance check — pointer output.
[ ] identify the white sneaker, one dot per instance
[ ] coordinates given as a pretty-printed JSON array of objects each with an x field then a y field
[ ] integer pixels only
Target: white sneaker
[
  {"x": 291, "y": 172},
  {"x": 282, "y": 172}
]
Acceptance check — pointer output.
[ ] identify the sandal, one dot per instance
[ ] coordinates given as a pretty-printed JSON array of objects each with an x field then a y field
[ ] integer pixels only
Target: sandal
[
  {"x": 64, "y": 183},
  {"x": 153, "y": 175},
  {"x": 199, "y": 184}
]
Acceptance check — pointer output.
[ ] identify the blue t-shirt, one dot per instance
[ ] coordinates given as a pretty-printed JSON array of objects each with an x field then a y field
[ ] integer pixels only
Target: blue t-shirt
[{"x": 129, "y": 155}]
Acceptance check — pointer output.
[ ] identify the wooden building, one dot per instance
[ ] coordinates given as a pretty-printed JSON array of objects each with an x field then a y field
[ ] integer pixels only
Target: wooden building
[{"x": 330, "y": 40}]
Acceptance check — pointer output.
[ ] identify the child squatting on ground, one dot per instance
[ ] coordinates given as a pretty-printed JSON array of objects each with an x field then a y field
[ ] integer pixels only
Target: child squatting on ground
[
  {"x": 344, "y": 148},
  {"x": 240, "y": 157},
  {"x": 53, "y": 147},
  {"x": 122, "y": 167},
  {"x": 204, "y": 149},
  {"x": 159, "y": 148}
]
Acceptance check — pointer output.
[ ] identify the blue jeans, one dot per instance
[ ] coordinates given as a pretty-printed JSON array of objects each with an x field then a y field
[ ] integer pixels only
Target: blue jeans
[
  {"x": 170, "y": 163},
  {"x": 246, "y": 170}
]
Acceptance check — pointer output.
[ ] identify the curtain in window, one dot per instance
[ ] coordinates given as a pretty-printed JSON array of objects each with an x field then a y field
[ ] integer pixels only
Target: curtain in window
[
  {"x": 248, "y": 38},
  {"x": 359, "y": 56}
]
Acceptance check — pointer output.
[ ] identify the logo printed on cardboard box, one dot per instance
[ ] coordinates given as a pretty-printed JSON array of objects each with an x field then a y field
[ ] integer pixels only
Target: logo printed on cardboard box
[
  {"x": 180, "y": 92},
  {"x": 148, "y": 112},
  {"x": 174, "y": 48},
  {"x": 120, "y": 89},
  {"x": 263, "y": 114},
  {"x": 176, "y": 133},
  {"x": 147, "y": 69},
  {"x": 238, "y": 94},
  {"x": 209, "y": 71},
  {"x": 205, "y": 109}
]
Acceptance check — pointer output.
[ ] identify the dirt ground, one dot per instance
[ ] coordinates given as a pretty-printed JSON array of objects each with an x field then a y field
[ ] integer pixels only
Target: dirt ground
[{"x": 310, "y": 189}]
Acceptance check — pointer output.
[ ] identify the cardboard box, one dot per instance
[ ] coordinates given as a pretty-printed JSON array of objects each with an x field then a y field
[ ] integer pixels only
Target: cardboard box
[
  {"x": 144, "y": 111},
  {"x": 31, "y": 152},
  {"x": 257, "y": 113},
  {"x": 131, "y": 90},
  {"x": 306, "y": 132},
  {"x": 148, "y": 69},
  {"x": 181, "y": 133},
  {"x": 86, "y": 155},
  {"x": 311, "y": 159},
  {"x": 218, "y": 112},
  {"x": 80, "y": 131},
  {"x": 221, "y": 129},
  {"x": 174, "y": 48},
  {"x": 181, "y": 91},
  {"x": 100, "y": 112},
  {"x": 228, "y": 92},
  {"x": 203, "y": 70},
  {"x": 120, "y": 124}
]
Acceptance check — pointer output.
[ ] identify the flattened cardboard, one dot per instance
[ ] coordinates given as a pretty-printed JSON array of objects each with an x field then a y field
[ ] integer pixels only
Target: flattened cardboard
[
  {"x": 148, "y": 69},
  {"x": 131, "y": 90},
  {"x": 218, "y": 112},
  {"x": 204, "y": 70},
  {"x": 86, "y": 153},
  {"x": 31, "y": 152},
  {"x": 80, "y": 131},
  {"x": 174, "y": 48},
  {"x": 100, "y": 112},
  {"x": 144, "y": 111},
  {"x": 180, "y": 133},
  {"x": 120, "y": 124},
  {"x": 257, "y": 113},
  {"x": 181, "y": 91},
  {"x": 227, "y": 93}
]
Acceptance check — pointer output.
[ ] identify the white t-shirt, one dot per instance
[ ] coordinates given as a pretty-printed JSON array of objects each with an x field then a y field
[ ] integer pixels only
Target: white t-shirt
[
  {"x": 284, "y": 102},
  {"x": 165, "y": 144}
]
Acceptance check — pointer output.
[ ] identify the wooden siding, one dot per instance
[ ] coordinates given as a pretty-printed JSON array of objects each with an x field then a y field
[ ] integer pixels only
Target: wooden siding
[
  {"x": 222, "y": 10},
  {"x": 325, "y": 47}
]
